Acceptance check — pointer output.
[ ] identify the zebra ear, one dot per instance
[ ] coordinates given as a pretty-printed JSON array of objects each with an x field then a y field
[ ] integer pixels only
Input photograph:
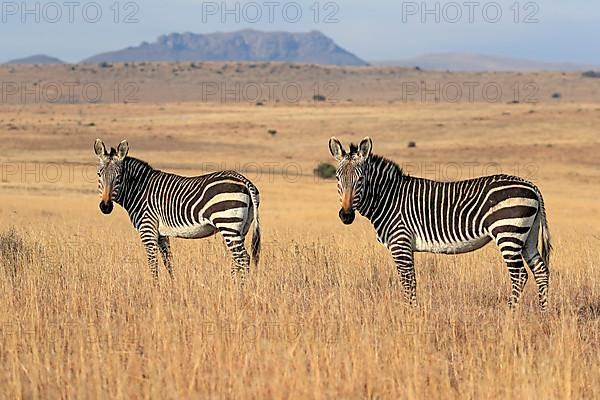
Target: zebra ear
[
  {"x": 123, "y": 149},
  {"x": 336, "y": 149},
  {"x": 99, "y": 149},
  {"x": 365, "y": 147}
]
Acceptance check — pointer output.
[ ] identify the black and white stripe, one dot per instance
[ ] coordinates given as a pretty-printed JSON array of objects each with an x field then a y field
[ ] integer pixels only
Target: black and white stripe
[
  {"x": 162, "y": 205},
  {"x": 414, "y": 214}
]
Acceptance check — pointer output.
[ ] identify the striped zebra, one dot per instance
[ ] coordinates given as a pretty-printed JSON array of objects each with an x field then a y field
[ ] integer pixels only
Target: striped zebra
[
  {"x": 162, "y": 205},
  {"x": 413, "y": 214}
]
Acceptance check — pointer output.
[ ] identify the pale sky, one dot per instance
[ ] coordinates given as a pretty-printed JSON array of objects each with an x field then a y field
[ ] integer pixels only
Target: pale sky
[{"x": 566, "y": 30}]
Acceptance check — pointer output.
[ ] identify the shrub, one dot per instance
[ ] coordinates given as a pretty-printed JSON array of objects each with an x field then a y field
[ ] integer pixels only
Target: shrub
[
  {"x": 556, "y": 95},
  {"x": 325, "y": 170},
  {"x": 319, "y": 98},
  {"x": 412, "y": 144}
]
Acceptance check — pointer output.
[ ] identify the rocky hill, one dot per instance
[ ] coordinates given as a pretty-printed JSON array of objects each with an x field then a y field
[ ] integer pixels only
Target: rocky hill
[
  {"x": 36, "y": 59},
  {"x": 246, "y": 45}
]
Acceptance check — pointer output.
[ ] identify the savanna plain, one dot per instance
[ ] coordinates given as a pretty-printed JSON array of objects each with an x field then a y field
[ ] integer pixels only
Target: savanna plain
[{"x": 322, "y": 315}]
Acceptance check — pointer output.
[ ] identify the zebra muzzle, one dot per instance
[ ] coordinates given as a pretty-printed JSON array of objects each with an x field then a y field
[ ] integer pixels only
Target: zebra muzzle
[
  {"x": 107, "y": 207},
  {"x": 347, "y": 217}
]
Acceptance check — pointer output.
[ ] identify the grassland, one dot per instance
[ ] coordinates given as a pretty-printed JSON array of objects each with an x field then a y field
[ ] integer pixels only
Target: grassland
[{"x": 322, "y": 315}]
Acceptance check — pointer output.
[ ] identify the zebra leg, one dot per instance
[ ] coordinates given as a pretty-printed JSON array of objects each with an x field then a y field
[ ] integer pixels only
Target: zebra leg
[
  {"x": 241, "y": 258},
  {"x": 536, "y": 264},
  {"x": 165, "y": 251},
  {"x": 402, "y": 253},
  {"x": 541, "y": 275},
  {"x": 150, "y": 240},
  {"x": 518, "y": 275}
]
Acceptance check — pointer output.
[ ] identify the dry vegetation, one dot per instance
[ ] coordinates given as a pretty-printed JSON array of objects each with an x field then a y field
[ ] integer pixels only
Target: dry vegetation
[
  {"x": 322, "y": 316},
  {"x": 281, "y": 82}
]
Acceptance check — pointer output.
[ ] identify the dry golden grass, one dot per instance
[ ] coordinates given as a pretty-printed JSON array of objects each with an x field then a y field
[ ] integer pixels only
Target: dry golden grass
[{"x": 322, "y": 315}]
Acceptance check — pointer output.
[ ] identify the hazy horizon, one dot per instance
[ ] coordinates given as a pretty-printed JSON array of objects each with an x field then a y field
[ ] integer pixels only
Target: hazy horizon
[{"x": 382, "y": 30}]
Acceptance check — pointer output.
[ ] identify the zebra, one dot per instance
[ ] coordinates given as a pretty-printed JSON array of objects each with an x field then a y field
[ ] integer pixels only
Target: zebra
[
  {"x": 415, "y": 214},
  {"x": 162, "y": 205}
]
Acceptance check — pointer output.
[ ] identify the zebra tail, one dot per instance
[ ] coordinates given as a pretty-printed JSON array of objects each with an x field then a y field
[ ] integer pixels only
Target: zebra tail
[
  {"x": 546, "y": 242},
  {"x": 256, "y": 233}
]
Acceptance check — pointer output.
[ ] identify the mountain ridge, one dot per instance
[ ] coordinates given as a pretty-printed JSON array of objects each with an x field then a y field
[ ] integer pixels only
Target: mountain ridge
[
  {"x": 42, "y": 59},
  {"x": 243, "y": 45}
]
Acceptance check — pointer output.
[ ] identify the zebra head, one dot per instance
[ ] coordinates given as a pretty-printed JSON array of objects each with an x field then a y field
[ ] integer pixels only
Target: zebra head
[
  {"x": 350, "y": 172},
  {"x": 110, "y": 172}
]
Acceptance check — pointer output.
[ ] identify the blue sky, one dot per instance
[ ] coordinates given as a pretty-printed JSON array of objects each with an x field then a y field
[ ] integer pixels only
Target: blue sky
[{"x": 373, "y": 30}]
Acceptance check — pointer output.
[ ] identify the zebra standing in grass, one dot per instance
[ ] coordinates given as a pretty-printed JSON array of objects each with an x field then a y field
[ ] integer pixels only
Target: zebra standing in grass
[
  {"x": 414, "y": 214},
  {"x": 162, "y": 205}
]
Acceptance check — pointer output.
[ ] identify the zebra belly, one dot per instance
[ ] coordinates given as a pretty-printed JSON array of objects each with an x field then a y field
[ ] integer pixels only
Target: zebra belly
[
  {"x": 451, "y": 248},
  {"x": 196, "y": 231}
]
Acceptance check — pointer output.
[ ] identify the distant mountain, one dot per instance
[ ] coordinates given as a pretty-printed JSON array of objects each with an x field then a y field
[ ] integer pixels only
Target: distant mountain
[
  {"x": 246, "y": 45},
  {"x": 36, "y": 59},
  {"x": 479, "y": 62}
]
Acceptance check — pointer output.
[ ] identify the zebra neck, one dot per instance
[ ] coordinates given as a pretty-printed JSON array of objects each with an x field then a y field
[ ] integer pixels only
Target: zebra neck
[
  {"x": 136, "y": 176},
  {"x": 382, "y": 180}
]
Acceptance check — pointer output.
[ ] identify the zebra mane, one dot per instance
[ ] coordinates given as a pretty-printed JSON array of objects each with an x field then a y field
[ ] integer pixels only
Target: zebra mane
[
  {"x": 379, "y": 161},
  {"x": 129, "y": 159},
  {"x": 138, "y": 162},
  {"x": 385, "y": 163}
]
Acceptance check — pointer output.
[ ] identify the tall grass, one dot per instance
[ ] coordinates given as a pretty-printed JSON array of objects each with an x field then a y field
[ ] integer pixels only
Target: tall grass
[{"x": 318, "y": 319}]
